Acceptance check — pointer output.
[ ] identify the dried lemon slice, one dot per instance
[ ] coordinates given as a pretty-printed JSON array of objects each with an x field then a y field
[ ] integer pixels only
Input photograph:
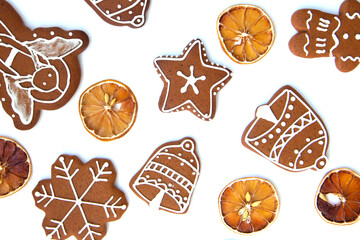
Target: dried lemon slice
[
  {"x": 246, "y": 33},
  {"x": 248, "y": 205},
  {"x": 108, "y": 109},
  {"x": 15, "y": 167},
  {"x": 338, "y": 197}
]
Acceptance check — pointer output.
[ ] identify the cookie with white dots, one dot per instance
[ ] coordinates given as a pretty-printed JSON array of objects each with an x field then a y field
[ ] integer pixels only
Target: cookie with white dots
[
  {"x": 191, "y": 81},
  {"x": 121, "y": 12},
  {"x": 39, "y": 69},
  {"x": 288, "y": 132},
  {"x": 168, "y": 178}
]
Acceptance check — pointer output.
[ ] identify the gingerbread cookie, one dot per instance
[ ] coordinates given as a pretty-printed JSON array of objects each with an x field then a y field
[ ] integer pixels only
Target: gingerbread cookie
[
  {"x": 323, "y": 34},
  {"x": 288, "y": 132},
  {"x": 39, "y": 68},
  {"x": 79, "y": 199},
  {"x": 169, "y": 176},
  {"x": 191, "y": 81},
  {"x": 121, "y": 12}
]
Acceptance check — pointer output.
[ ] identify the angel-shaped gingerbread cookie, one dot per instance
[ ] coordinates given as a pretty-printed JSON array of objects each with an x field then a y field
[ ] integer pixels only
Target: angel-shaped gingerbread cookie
[
  {"x": 323, "y": 34},
  {"x": 39, "y": 69}
]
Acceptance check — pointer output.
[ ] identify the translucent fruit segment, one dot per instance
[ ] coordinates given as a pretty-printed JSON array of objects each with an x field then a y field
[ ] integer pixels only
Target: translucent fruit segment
[
  {"x": 338, "y": 197},
  {"x": 15, "y": 167},
  {"x": 108, "y": 109},
  {"x": 246, "y": 33},
  {"x": 248, "y": 205}
]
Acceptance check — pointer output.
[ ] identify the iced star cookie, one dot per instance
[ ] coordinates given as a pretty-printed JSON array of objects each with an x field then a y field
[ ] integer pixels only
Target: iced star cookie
[
  {"x": 167, "y": 180},
  {"x": 39, "y": 69},
  {"x": 79, "y": 199},
  {"x": 323, "y": 34},
  {"x": 288, "y": 132},
  {"x": 121, "y": 12},
  {"x": 191, "y": 81}
]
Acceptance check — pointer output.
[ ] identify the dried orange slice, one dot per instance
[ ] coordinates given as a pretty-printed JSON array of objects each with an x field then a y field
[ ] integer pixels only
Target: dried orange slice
[
  {"x": 338, "y": 197},
  {"x": 108, "y": 109},
  {"x": 15, "y": 167},
  {"x": 246, "y": 33},
  {"x": 248, "y": 205}
]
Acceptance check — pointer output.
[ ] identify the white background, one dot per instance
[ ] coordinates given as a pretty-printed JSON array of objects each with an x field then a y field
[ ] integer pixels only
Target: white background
[{"x": 126, "y": 55}]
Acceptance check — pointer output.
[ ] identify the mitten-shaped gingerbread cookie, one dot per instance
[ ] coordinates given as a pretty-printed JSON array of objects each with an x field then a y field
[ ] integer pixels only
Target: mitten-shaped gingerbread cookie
[{"x": 322, "y": 34}]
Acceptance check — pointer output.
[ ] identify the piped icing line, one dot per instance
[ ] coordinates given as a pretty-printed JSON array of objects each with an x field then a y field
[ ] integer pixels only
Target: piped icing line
[
  {"x": 354, "y": 59},
  {"x": 188, "y": 104},
  {"x": 321, "y": 39},
  {"x": 306, "y": 44},
  {"x": 353, "y": 16},
  {"x": 309, "y": 19},
  {"x": 335, "y": 38},
  {"x": 320, "y": 51},
  {"x": 320, "y": 45}
]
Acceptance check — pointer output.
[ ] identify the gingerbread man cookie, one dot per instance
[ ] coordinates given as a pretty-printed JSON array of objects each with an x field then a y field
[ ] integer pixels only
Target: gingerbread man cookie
[
  {"x": 191, "y": 81},
  {"x": 323, "y": 34},
  {"x": 39, "y": 68}
]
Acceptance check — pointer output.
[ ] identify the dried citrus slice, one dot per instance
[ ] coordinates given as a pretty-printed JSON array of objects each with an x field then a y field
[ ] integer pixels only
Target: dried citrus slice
[
  {"x": 248, "y": 205},
  {"x": 108, "y": 109},
  {"x": 246, "y": 33},
  {"x": 338, "y": 197},
  {"x": 15, "y": 167}
]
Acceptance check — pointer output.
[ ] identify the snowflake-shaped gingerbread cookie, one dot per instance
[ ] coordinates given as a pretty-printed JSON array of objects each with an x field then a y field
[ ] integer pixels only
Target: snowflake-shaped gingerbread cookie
[
  {"x": 191, "y": 81},
  {"x": 79, "y": 199}
]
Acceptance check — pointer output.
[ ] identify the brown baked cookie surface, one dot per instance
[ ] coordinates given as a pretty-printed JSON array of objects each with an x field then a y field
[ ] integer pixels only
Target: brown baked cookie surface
[
  {"x": 169, "y": 177},
  {"x": 121, "y": 12},
  {"x": 191, "y": 81},
  {"x": 39, "y": 69},
  {"x": 79, "y": 199},
  {"x": 323, "y": 34},
  {"x": 288, "y": 132}
]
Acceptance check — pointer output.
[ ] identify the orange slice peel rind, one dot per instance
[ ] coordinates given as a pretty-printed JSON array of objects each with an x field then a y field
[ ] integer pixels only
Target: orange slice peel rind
[
  {"x": 248, "y": 205},
  {"x": 108, "y": 109},
  {"x": 246, "y": 33}
]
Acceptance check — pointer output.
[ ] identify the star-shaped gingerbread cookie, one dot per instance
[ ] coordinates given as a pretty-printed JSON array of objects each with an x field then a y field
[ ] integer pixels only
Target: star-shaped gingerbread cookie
[{"x": 191, "y": 81}]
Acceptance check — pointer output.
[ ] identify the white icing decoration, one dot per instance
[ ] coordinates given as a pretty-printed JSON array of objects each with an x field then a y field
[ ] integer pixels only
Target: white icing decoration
[
  {"x": 357, "y": 36},
  {"x": 321, "y": 39},
  {"x": 321, "y": 29},
  {"x": 325, "y": 21},
  {"x": 320, "y": 51},
  {"x": 306, "y": 44},
  {"x": 196, "y": 43},
  {"x": 88, "y": 228},
  {"x": 22, "y": 102},
  {"x": 354, "y": 59},
  {"x": 345, "y": 36},
  {"x": 352, "y": 17},
  {"x": 190, "y": 80},
  {"x": 136, "y": 21},
  {"x": 288, "y": 133},
  {"x": 320, "y": 45},
  {"x": 266, "y": 113},
  {"x": 309, "y": 19},
  {"x": 336, "y": 40},
  {"x": 186, "y": 184}
]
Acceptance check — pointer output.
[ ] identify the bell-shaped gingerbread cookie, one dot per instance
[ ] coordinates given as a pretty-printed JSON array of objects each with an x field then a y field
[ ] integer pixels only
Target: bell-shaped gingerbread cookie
[
  {"x": 288, "y": 132},
  {"x": 322, "y": 34},
  {"x": 169, "y": 177}
]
